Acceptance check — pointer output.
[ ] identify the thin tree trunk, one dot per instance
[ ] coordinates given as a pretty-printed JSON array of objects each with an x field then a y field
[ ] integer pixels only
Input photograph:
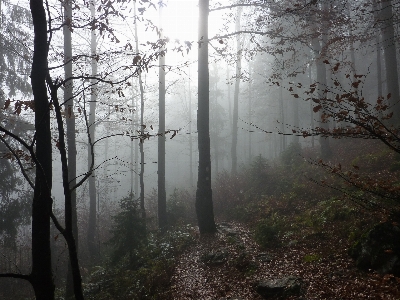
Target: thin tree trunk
[
  {"x": 41, "y": 276},
  {"x": 92, "y": 223},
  {"x": 190, "y": 134},
  {"x": 311, "y": 108},
  {"x": 282, "y": 117},
  {"x": 236, "y": 93},
  {"x": 162, "y": 196},
  {"x": 204, "y": 204},
  {"x": 142, "y": 208},
  {"x": 250, "y": 113},
  {"x": 376, "y": 7},
  {"x": 70, "y": 122}
]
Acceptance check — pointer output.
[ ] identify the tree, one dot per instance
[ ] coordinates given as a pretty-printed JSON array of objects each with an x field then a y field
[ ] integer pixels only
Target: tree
[
  {"x": 162, "y": 196},
  {"x": 41, "y": 276},
  {"x": 92, "y": 223},
  {"x": 389, "y": 44},
  {"x": 204, "y": 204},
  {"x": 236, "y": 92},
  {"x": 70, "y": 122},
  {"x": 142, "y": 126}
]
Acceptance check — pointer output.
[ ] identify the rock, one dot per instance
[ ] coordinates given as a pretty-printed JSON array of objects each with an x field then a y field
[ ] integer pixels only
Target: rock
[
  {"x": 227, "y": 229},
  {"x": 280, "y": 287},
  {"x": 264, "y": 257},
  {"x": 215, "y": 258},
  {"x": 379, "y": 249}
]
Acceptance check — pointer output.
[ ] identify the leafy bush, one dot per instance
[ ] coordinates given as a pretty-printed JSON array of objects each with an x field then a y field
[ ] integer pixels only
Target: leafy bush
[
  {"x": 180, "y": 207},
  {"x": 150, "y": 278},
  {"x": 266, "y": 234}
]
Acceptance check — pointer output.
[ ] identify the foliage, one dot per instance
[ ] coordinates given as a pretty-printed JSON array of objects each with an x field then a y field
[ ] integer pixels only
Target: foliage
[
  {"x": 266, "y": 233},
  {"x": 150, "y": 278},
  {"x": 129, "y": 232},
  {"x": 180, "y": 206}
]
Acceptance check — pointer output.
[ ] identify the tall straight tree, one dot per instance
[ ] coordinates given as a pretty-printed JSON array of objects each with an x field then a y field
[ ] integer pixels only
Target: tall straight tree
[
  {"x": 236, "y": 93},
  {"x": 141, "y": 177},
  {"x": 204, "y": 203},
  {"x": 91, "y": 233},
  {"x": 389, "y": 45},
  {"x": 70, "y": 122},
  {"x": 162, "y": 197}
]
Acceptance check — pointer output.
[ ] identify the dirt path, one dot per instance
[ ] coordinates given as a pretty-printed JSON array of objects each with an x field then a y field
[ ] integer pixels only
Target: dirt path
[{"x": 228, "y": 264}]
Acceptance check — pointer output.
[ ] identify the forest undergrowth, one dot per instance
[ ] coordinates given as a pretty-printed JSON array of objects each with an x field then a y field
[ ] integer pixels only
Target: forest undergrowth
[
  {"x": 282, "y": 220},
  {"x": 275, "y": 219}
]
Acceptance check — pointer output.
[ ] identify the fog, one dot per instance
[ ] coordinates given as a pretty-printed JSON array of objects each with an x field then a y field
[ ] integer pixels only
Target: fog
[{"x": 287, "y": 83}]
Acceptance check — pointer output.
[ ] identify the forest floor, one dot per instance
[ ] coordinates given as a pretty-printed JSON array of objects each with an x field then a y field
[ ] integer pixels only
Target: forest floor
[{"x": 228, "y": 264}]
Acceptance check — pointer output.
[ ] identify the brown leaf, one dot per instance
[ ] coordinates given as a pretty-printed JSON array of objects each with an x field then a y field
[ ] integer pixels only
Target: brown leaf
[
  {"x": 317, "y": 108},
  {"x": 7, "y": 104}
]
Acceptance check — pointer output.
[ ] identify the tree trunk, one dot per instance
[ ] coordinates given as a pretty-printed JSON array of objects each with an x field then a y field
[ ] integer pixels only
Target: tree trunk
[
  {"x": 92, "y": 223},
  {"x": 236, "y": 93},
  {"x": 141, "y": 177},
  {"x": 282, "y": 117},
  {"x": 321, "y": 94},
  {"x": 376, "y": 7},
  {"x": 41, "y": 276},
  {"x": 389, "y": 44},
  {"x": 204, "y": 204},
  {"x": 311, "y": 107},
  {"x": 70, "y": 122},
  {"x": 250, "y": 114},
  {"x": 190, "y": 134},
  {"x": 162, "y": 196}
]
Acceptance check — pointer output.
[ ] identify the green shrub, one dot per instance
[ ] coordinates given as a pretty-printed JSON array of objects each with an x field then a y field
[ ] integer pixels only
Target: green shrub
[
  {"x": 180, "y": 208},
  {"x": 266, "y": 234},
  {"x": 128, "y": 232}
]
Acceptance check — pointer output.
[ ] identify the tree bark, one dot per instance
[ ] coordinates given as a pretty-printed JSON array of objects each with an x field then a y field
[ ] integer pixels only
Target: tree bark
[
  {"x": 389, "y": 44},
  {"x": 70, "y": 122},
  {"x": 141, "y": 176},
  {"x": 204, "y": 204},
  {"x": 236, "y": 93},
  {"x": 92, "y": 223},
  {"x": 41, "y": 276},
  {"x": 162, "y": 196}
]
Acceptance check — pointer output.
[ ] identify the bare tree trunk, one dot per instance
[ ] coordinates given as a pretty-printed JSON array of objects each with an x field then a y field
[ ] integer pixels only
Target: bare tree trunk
[
  {"x": 389, "y": 44},
  {"x": 162, "y": 196},
  {"x": 282, "y": 117},
  {"x": 311, "y": 108},
  {"x": 190, "y": 134},
  {"x": 41, "y": 276},
  {"x": 70, "y": 122},
  {"x": 236, "y": 93},
  {"x": 250, "y": 113},
  {"x": 378, "y": 50},
  {"x": 204, "y": 204},
  {"x": 92, "y": 223},
  {"x": 321, "y": 87},
  {"x": 141, "y": 123}
]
